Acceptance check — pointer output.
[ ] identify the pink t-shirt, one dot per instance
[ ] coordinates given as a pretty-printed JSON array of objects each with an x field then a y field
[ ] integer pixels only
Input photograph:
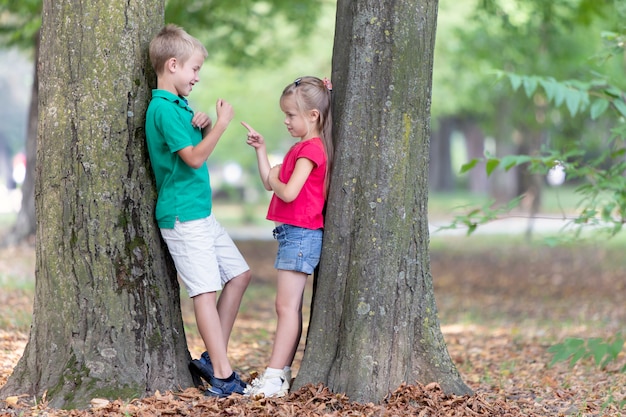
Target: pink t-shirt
[{"x": 306, "y": 210}]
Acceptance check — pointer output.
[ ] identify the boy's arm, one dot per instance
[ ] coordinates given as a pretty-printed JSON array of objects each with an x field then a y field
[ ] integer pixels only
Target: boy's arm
[{"x": 195, "y": 156}]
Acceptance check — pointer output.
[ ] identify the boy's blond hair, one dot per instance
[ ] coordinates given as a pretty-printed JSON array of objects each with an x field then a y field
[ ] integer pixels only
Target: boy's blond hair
[{"x": 173, "y": 42}]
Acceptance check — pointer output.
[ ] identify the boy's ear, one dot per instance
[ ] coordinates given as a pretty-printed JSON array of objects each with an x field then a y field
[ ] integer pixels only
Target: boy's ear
[{"x": 171, "y": 65}]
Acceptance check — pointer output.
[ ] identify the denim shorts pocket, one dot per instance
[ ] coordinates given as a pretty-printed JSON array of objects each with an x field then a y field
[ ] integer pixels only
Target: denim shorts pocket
[{"x": 299, "y": 249}]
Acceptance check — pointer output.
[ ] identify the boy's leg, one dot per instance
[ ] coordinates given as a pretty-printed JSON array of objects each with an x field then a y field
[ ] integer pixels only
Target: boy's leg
[
  {"x": 289, "y": 310},
  {"x": 210, "y": 328},
  {"x": 230, "y": 301}
]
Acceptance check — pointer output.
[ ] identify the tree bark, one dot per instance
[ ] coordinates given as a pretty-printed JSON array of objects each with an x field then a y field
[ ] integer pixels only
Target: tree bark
[
  {"x": 106, "y": 319},
  {"x": 374, "y": 323}
]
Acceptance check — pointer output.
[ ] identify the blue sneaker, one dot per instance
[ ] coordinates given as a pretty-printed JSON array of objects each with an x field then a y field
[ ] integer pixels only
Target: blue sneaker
[
  {"x": 222, "y": 389},
  {"x": 201, "y": 368}
]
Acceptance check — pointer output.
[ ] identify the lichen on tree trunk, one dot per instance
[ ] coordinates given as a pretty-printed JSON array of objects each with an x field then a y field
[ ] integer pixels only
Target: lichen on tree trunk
[
  {"x": 374, "y": 320},
  {"x": 107, "y": 320}
]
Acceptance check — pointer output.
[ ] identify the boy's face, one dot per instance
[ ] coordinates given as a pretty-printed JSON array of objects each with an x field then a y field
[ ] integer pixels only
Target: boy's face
[{"x": 186, "y": 74}]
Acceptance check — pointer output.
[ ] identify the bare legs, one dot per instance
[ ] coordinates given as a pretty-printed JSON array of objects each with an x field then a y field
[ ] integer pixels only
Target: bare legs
[
  {"x": 289, "y": 310},
  {"x": 215, "y": 319}
]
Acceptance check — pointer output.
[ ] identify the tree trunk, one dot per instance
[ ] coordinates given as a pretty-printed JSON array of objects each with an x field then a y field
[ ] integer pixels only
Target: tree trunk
[
  {"x": 25, "y": 223},
  {"x": 106, "y": 320},
  {"x": 374, "y": 323}
]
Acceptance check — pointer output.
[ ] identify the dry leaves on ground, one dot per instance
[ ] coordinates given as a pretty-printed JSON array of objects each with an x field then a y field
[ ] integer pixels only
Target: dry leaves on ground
[{"x": 499, "y": 312}]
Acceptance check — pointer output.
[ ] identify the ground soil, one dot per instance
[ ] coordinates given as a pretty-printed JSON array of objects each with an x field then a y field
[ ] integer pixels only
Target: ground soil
[{"x": 500, "y": 310}]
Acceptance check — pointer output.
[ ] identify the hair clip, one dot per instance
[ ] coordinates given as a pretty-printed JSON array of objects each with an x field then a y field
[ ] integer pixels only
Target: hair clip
[
  {"x": 328, "y": 84},
  {"x": 297, "y": 81}
]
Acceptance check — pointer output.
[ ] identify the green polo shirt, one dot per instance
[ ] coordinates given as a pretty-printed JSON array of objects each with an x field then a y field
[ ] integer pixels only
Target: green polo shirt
[{"x": 184, "y": 193}]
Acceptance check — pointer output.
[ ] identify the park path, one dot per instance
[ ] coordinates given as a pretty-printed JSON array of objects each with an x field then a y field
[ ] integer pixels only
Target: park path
[{"x": 513, "y": 225}]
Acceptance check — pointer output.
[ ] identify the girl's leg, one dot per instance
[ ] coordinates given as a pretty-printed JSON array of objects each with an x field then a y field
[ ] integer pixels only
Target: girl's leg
[
  {"x": 230, "y": 301},
  {"x": 289, "y": 310},
  {"x": 210, "y": 328}
]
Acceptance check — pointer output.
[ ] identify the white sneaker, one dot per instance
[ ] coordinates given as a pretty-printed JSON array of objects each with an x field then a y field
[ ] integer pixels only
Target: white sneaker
[
  {"x": 287, "y": 383},
  {"x": 271, "y": 384}
]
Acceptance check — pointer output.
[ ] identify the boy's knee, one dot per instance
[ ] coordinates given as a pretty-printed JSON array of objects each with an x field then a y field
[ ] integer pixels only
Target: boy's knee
[
  {"x": 246, "y": 277},
  {"x": 242, "y": 280}
]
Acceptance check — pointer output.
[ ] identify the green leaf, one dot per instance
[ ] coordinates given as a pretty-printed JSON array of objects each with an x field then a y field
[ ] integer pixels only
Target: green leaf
[
  {"x": 491, "y": 165},
  {"x": 572, "y": 100},
  {"x": 598, "y": 349},
  {"x": 471, "y": 164},
  {"x": 620, "y": 106},
  {"x": 510, "y": 161},
  {"x": 616, "y": 347},
  {"x": 613, "y": 92},
  {"x": 516, "y": 81},
  {"x": 599, "y": 106},
  {"x": 530, "y": 85},
  {"x": 560, "y": 94},
  {"x": 549, "y": 86}
]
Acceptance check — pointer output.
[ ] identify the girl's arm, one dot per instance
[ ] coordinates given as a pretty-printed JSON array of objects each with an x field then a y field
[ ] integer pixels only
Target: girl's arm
[
  {"x": 195, "y": 156},
  {"x": 255, "y": 139},
  {"x": 264, "y": 166},
  {"x": 290, "y": 190}
]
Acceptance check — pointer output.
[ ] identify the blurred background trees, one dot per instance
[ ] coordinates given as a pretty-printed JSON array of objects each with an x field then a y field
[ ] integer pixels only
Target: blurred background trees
[{"x": 257, "y": 47}]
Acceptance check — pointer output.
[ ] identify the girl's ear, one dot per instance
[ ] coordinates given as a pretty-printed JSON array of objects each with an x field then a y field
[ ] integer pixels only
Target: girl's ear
[{"x": 314, "y": 115}]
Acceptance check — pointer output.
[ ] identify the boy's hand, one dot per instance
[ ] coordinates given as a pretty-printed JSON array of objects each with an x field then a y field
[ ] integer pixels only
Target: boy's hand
[
  {"x": 255, "y": 139},
  {"x": 224, "y": 111},
  {"x": 201, "y": 121}
]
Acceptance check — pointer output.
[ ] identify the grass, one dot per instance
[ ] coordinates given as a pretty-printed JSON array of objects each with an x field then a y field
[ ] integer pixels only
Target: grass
[{"x": 554, "y": 201}]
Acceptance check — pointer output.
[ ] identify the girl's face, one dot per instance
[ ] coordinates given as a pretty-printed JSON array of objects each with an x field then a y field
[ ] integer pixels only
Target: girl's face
[
  {"x": 187, "y": 74},
  {"x": 300, "y": 125}
]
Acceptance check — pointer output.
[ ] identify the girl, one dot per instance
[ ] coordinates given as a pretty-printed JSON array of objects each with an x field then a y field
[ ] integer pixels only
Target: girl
[{"x": 299, "y": 185}]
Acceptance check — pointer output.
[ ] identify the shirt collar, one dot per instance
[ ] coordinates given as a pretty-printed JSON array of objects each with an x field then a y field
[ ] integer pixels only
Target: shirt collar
[{"x": 164, "y": 94}]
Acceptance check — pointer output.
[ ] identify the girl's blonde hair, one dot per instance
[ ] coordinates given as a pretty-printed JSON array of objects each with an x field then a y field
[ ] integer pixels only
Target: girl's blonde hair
[
  {"x": 311, "y": 93},
  {"x": 173, "y": 42}
]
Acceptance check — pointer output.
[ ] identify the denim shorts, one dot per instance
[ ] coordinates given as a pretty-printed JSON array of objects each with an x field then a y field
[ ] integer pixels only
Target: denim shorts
[{"x": 299, "y": 249}]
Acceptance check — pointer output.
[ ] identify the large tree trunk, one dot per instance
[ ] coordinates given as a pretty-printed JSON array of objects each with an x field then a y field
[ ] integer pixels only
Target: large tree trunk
[
  {"x": 107, "y": 320},
  {"x": 374, "y": 323}
]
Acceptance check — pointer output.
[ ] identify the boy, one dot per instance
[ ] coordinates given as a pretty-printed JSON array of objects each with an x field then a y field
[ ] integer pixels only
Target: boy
[{"x": 179, "y": 143}]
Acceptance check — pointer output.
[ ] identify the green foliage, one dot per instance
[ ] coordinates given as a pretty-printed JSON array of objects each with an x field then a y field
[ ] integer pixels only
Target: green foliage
[
  {"x": 603, "y": 351},
  {"x": 20, "y": 20},
  {"x": 596, "y": 96},
  {"x": 603, "y": 192},
  {"x": 237, "y": 32},
  {"x": 247, "y": 32},
  {"x": 601, "y": 178},
  {"x": 486, "y": 213}
]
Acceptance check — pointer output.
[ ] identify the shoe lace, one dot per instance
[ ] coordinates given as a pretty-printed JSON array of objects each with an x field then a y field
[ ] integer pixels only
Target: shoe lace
[{"x": 254, "y": 385}]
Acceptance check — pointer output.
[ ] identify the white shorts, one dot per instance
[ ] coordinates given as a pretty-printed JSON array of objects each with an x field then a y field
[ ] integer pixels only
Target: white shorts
[{"x": 205, "y": 256}]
